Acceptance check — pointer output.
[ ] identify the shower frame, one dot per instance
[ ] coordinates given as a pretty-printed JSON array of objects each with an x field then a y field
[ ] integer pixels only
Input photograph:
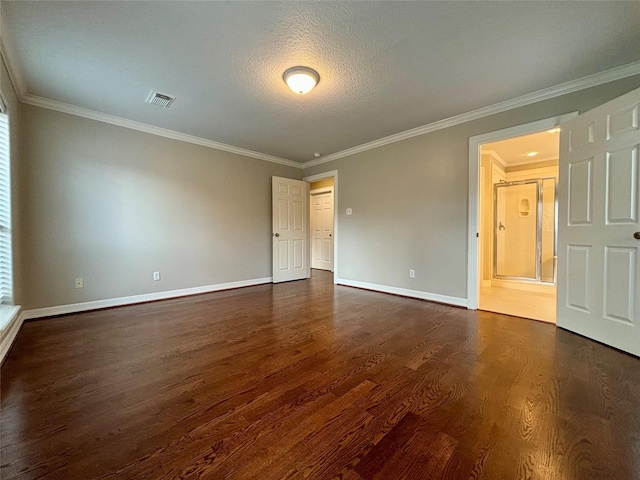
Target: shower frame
[{"x": 539, "y": 204}]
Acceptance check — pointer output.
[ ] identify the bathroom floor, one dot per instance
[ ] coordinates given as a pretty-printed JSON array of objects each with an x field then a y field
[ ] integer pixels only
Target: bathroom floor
[{"x": 520, "y": 303}]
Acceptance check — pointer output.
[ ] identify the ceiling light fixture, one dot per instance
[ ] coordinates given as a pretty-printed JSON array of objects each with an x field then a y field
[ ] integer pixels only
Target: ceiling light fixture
[
  {"x": 301, "y": 79},
  {"x": 531, "y": 154}
]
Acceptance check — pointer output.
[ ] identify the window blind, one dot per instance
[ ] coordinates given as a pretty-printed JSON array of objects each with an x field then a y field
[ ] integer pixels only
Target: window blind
[{"x": 6, "y": 282}]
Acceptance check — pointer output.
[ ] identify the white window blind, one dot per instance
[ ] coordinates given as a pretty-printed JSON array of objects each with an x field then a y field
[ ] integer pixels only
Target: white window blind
[{"x": 6, "y": 282}]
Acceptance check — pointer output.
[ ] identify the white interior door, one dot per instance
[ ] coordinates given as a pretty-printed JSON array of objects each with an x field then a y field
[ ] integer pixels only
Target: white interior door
[
  {"x": 290, "y": 229},
  {"x": 598, "y": 273},
  {"x": 322, "y": 230}
]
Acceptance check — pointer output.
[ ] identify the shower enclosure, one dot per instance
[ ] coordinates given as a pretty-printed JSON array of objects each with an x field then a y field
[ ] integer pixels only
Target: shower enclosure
[{"x": 524, "y": 242}]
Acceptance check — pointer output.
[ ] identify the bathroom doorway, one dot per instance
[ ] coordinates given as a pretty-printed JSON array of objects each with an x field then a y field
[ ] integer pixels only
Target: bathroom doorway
[{"x": 518, "y": 225}]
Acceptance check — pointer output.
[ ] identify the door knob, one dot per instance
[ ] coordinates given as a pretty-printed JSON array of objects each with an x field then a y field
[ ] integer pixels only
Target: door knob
[
  {"x": 636, "y": 235},
  {"x": 276, "y": 234}
]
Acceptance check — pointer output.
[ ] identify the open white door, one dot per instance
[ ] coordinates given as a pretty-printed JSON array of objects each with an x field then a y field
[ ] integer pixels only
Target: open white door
[
  {"x": 290, "y": 229},
  {"x": 322, "y": 230},
  {"x": 598, "y": 272}
]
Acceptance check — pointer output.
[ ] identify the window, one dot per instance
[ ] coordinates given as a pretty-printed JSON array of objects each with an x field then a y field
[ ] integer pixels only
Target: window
[{"x": 6, "y": 283}]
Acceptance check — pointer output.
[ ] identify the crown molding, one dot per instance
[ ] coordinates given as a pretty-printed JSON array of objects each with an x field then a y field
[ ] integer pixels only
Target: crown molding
[
  {"x": 17, "y": 80},
  {"x": 144, "y": 127},
  {"x": 493, "y": 154},
  {"x": 517, "y": 163},
  {"x": 19, "y": 86},
  {"x": 594, "y": 80}
]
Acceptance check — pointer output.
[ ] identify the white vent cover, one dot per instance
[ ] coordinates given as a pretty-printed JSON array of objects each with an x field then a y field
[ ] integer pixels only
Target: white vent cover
[{"x": 160, "y": 99}]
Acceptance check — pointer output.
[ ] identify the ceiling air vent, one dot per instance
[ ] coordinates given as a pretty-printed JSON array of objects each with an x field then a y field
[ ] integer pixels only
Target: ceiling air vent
[{"x": 160, "y": 99}]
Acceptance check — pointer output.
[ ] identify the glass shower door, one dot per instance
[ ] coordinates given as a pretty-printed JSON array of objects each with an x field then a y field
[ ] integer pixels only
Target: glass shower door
[{"x": 516, "y": 239}]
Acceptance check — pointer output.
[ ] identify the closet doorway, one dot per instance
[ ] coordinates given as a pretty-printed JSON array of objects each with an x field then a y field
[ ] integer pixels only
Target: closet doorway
[{"x": 321, "y": 218}]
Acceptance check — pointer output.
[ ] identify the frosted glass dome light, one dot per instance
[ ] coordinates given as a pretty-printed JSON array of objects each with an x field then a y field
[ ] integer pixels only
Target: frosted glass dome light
[{"x": 301, "y": 79}]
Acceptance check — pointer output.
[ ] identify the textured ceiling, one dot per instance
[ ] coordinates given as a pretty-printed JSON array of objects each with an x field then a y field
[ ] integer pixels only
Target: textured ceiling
[
  {"x": 513, "y": 150},
  {"x": 385, "y": 67}
]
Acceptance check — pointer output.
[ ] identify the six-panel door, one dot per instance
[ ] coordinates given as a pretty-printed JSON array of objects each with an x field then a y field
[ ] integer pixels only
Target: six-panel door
[
  {"x": 598, "y": 274},
  {"x": 289, "y": 231}
]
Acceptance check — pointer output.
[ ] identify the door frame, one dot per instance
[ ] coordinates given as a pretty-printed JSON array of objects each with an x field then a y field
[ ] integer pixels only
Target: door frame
[
  {"x": 315, "y": 178},
  {"x": 473, "y": 230}
]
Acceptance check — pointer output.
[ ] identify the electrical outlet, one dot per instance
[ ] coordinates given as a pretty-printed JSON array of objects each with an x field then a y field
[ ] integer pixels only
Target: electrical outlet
[
  {"x": 349, "y": 211},
  {"x": 156, "y": 276},
  {"x": 79, "y": 282},
  {"x": 412, "y": 274}
]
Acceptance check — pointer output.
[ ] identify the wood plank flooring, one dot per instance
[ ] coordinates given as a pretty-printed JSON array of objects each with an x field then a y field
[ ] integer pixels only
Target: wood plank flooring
[{"x": 308, "y": 380}]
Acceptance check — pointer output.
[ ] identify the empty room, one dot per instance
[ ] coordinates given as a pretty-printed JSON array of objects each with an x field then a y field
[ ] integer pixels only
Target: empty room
[{"x": 319, "y": 240}]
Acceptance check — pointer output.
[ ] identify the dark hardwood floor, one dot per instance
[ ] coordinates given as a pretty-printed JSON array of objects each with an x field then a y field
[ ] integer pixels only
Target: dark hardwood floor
[{"x": 308, "y": 380}]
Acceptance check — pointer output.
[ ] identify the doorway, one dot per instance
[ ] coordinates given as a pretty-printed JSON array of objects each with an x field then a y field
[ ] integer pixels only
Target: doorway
[
  {"x": 519, "y": 223},
  {"x": 323, "y": 219},
  {"x": 513, "y": 220}
]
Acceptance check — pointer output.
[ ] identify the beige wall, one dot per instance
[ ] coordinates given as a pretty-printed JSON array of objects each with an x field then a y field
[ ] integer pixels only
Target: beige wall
[
  {"x": 113, "y": 205},
  {"x": 410, "y": 199},
  {"x": 14, "y": 110}
]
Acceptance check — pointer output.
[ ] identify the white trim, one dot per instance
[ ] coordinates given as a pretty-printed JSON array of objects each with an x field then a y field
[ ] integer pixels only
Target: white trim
[
  {"x": 20, "y": 88},
  {"x": 433, "y": 297},
  {"x": 17, "y": 80},
  {"x": 321, "y": 176},
  {"x": 517, "y": 163},
  {"x": 593, "y": 80},
  {"x": 473, "y": 285},
  {"x": 514, "y": 163},
  {"x": 7, "y": 315},
  {"x": 493, "y": 154},
  {"x": 10, "y": 331},
  {"x": 336, "y": 211},
  {"x": 144, "y": 127},
  {"x": 148, "y": 297},
  {"x": 538, "y": 96}
]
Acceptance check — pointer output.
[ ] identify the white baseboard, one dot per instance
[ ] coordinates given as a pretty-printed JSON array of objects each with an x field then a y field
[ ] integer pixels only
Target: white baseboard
[
  {"x": 9, "y": 334},
  {"x": 148, "y": 297},
  {"x": 434, "y": 297}
]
